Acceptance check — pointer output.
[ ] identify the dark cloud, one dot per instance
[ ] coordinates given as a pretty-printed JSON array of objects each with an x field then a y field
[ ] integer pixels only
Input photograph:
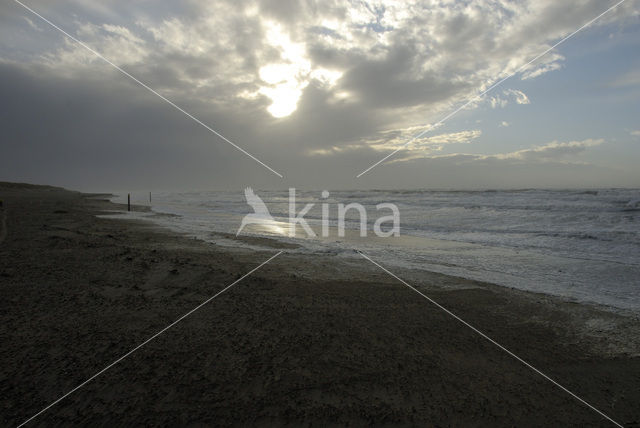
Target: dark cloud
[
  {"x": 110, "y": 132},
  {"x": 394, "y": 85}
]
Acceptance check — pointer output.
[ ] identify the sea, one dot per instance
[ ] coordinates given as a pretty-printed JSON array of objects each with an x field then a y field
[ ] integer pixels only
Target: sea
[{"x": 582, "y": 245}]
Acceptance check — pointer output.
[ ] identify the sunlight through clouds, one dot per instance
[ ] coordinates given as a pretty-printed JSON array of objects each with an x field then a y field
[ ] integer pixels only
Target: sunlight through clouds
[
  {"x": 286, "y": 80},
  {"x": 338, "y": 82}
]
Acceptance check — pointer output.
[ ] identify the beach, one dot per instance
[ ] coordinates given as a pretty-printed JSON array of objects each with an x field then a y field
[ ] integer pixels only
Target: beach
[{"x": 305, "y": 340}]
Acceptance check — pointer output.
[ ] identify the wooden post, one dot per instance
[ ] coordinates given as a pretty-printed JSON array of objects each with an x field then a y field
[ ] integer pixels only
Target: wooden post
[
  {"x": 149, "y": 198},
  {"x": 128, "y": 201}
]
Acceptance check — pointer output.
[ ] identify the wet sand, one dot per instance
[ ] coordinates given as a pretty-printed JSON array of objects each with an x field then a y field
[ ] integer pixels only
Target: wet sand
[{"x": 305, "y": 340}]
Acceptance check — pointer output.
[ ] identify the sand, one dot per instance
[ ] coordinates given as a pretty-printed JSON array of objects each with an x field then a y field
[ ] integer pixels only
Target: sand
[{"x": 304, "y": 341}]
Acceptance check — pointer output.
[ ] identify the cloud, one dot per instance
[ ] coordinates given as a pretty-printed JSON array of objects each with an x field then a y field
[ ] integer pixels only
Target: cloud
[
  {"x": 32, "y": 24},
  {"x": 510, "y": 95},
  {"x": 554, "y": 152},
  {"x": 631, "y": 78},
  {"x": 285, "y": 80},
  {"x": 422, "y": 147},
  {"x": 519, "y": 96},
  {"x": 116, "y": 43},
  {"x": 498, "y": 102},
  {"x": 417, "y": 57},
  {"x": 551, "y": 62},
  {"x": 395, "y": 138},
  {"x": 398, "y": 138}
]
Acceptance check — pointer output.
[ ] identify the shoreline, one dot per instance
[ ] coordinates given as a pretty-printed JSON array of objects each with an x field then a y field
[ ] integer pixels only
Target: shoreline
[
  {"x": 261, "y": 238},
  {"x": 306, "y": 339}
]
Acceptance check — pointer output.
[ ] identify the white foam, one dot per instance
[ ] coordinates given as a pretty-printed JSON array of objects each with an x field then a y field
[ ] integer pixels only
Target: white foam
[{"x": 583, "y": 245}]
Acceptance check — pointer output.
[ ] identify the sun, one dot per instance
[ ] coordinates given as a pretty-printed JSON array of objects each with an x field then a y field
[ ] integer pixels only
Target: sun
[
  {"x": 284, "y": 100},
  {"x": 284, "y": 81},
  {"x": 285, "y": 87}
]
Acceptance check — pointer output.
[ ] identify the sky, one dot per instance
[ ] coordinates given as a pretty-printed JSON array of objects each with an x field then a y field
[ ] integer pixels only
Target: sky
[{"x": 319, "y": 92}]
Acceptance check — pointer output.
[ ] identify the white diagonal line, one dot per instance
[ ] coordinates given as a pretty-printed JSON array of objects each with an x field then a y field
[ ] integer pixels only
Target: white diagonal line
[
  {"x": 499, "y": 82},
  {"x": 150, "y": 89},
  {"x": 150, "y": 339},
  {"x": 492, "y": 341}
]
